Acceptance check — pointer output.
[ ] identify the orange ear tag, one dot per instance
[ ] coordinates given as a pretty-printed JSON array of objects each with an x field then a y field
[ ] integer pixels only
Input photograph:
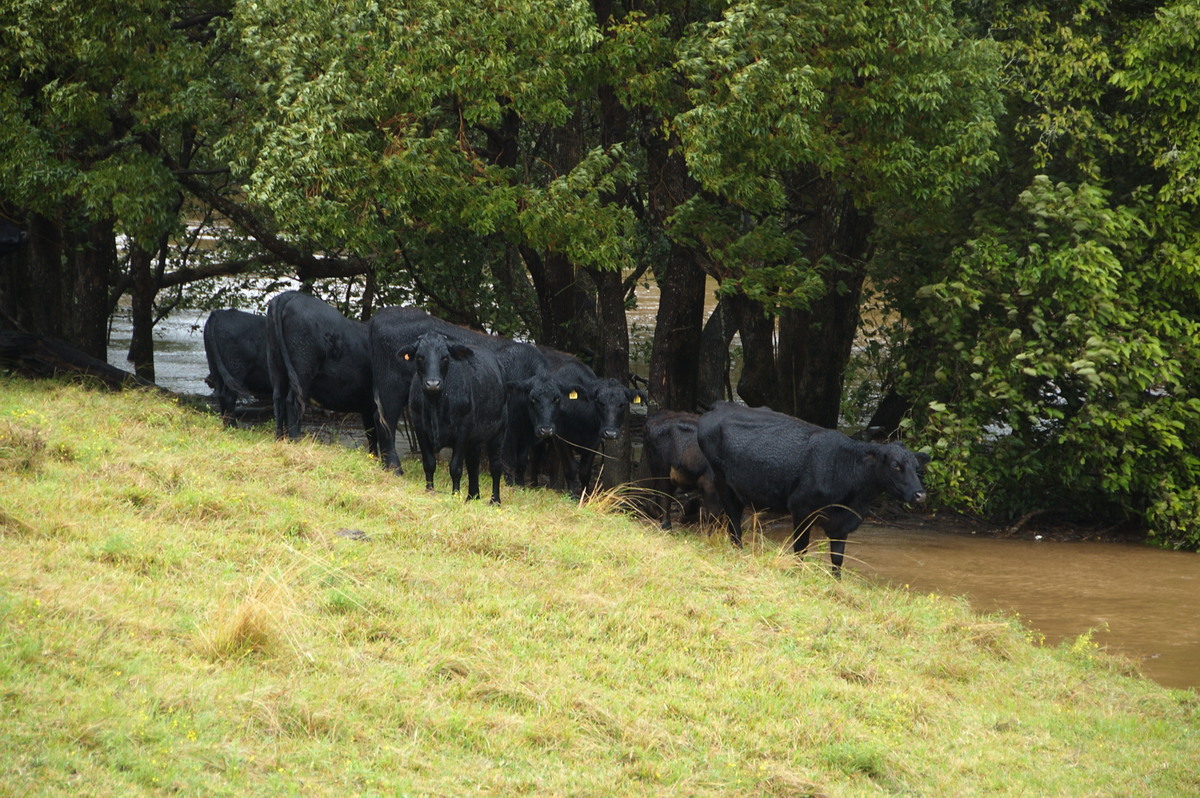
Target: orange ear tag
[{"x": 407, "y": 356}]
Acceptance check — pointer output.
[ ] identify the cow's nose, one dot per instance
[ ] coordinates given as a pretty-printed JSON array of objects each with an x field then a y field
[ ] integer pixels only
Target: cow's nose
[
  {"x": 433, "y": 386},
  {"x": 611, "y": 434},
  {"x": 545, "y": 432},
  {"x": 919, "y": 497}
]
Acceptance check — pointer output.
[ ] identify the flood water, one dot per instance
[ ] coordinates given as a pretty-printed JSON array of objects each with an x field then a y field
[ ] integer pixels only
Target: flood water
[{"x": 1137, "y": 600}]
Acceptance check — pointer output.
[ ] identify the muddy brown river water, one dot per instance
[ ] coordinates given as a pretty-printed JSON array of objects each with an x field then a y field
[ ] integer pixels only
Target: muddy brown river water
[{"x": 1137, "y": 600}]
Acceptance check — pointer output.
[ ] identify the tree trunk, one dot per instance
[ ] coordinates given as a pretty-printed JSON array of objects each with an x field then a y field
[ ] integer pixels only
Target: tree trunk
[
  {"x": 57, "y": 286},
  {"x": 612, "y": 360},
  {"x": 816, "y": 344},
  {"x": 675, "y": 354},
  {"x": 713, "y": 379},
  {"x": 142, "y": 293},
  {"x": 93, "y": 263},
  {"x": 758, "y": 385}
]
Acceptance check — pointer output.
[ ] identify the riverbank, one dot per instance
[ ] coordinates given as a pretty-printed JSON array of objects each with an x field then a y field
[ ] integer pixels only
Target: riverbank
[{"x": 214, "y": 612}]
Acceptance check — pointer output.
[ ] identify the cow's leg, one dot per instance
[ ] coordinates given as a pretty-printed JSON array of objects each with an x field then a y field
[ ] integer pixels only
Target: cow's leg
[
  {"x": 840, "y": 524},
  {"x": 802, "y": 521},
  {"x": 732, "y": 506},
  {"x": 372, "y": 432},
  {"x": 801, "y": 528},
  {"x": 537, "y": 458},
  {"x": 227, "y": 402},
  {"x": 391, "y": 397},
  {"x": 457, "y": 455},
  {"x": 472, "y": 462},
  {"x": 295, "y": 411},
  {"x": 664, "y": 492},
  {"x": 518, "y": 463},
  {"x": 587, "y": 459},
  {"x": 568, "y": 466},
  {"x": 279, "y": 404},
  {"x": 496, "y": 464},
  {"x": 662, "y": 488},
  {"x": 428, "y": 458}
]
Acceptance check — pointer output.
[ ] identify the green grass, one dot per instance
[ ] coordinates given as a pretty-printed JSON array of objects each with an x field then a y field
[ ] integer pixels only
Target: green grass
[{"x": 181, "y": 611}]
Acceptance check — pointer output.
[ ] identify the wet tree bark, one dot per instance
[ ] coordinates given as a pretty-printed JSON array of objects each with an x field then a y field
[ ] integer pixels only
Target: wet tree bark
[
  {"x": 816, "y": 344},
  {"x": 715, "y": 339},
  {"x": 675, "y": 353},
  {"x": 142, "y": 293},
  {"x": 758, "y": 385},
  {"x": 58, "y": 285}
]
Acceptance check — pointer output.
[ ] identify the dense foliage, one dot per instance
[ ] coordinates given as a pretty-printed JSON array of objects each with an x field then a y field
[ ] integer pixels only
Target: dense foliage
[
  {"x": 1014, "y": 182},
  {"x": 1054, "y": 349}
]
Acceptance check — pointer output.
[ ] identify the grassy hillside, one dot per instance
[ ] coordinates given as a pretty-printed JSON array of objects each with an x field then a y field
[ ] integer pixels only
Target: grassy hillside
[{"x": 183, "y": 609}]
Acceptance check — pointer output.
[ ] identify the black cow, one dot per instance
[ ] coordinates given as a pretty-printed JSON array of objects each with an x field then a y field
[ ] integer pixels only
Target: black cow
[
  {"x": 392, "y": 329},
  {"x": 314, "y": 352},
  {"x": 591, "y": 411},
  {"x": 235, "y": 343},
  {"x": 674, "y": 461},
  {"x": 772, "y": 461},
  {"x": 389, "y": 331},
  {"x": 457, "y": 400}
]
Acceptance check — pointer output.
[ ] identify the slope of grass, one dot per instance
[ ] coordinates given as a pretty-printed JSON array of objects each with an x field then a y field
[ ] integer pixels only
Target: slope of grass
[{"x": 191, "y": 609}]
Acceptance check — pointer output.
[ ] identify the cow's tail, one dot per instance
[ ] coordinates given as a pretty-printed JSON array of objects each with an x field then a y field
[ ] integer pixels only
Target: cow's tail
[
  {"x": 216, "y": 365},
  {"x": 282, "y": 352}
]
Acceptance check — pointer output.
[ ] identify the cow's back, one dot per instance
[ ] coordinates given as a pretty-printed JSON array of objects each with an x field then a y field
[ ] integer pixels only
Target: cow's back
[
  {"x": 235, "y": 344},
  {"x": 761, "y": 454},
  {"x": 326, "y": 356}
]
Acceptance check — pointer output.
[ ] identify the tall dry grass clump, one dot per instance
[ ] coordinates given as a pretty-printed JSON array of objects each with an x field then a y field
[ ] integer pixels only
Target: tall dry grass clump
[
  {"x": 21, "y": 449},
  {"x": 259, "y": 623}
]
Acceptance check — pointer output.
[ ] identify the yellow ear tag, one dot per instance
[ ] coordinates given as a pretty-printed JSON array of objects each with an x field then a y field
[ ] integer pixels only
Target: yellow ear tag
[
  {"x": 573, "y": 395},
  {"x": 637, "y": 399}
]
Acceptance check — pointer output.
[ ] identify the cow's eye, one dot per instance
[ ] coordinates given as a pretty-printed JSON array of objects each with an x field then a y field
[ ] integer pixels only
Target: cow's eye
[{"x": 897, "y": 466}]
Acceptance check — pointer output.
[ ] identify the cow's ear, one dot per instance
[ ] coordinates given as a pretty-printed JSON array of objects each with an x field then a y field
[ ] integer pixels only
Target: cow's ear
[
  {"x": 923, "y": 459},
  {"x": 406, "y": 352},
  {"x": 461, "y": 352}
]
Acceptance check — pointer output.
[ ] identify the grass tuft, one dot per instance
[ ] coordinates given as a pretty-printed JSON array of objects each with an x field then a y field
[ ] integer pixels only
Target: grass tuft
[
  {"x": 21, "y": 449},
  {"x": 258, "y": 623}
]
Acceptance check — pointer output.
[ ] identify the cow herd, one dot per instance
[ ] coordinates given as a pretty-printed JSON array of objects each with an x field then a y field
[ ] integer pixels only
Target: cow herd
[{"x": 528, "y": 408}]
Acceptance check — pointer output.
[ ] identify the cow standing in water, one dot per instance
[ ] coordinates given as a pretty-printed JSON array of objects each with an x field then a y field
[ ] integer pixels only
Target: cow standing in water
[
  {"x": 773, "y": 461},
  {"x": 457, "y": 399},
  {"x": 314, "y": 352},
  {"x": 235, "y": 344}
]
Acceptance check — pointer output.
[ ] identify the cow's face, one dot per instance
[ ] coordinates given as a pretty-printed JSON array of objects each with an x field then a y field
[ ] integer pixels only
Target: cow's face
[
  {"x": 545, "y": 399},
  {"x": 612, "y": 400},
  {"x": 900, "y": 471},
  {"x": 433, "y": 354}
]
